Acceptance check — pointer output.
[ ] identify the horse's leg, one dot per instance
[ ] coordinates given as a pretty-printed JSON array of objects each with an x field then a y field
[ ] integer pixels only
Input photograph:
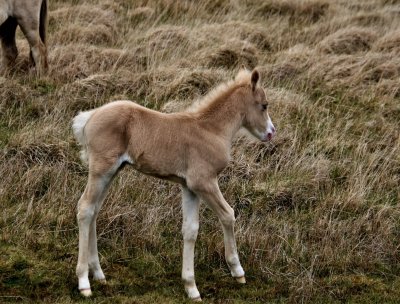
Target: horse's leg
[
  {"x": 7, "y": 35},
  {"x": 210, "y": 192},
  {"x": 94, "y": 263},
  {"x": 190, "y": 227},
  {"x": 88, "y": 208},
  {"x": 30, "y": 28}
]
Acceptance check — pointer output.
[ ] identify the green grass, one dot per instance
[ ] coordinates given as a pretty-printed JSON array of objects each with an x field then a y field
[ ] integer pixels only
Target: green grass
[{"x": 47, "y": 275}]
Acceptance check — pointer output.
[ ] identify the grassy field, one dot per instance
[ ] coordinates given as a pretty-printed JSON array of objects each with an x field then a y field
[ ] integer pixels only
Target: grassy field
[{"x": 317, "y": 208}]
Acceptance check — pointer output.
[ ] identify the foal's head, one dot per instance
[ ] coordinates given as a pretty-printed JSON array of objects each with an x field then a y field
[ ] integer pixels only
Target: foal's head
[{"x": 256, "y": 119}]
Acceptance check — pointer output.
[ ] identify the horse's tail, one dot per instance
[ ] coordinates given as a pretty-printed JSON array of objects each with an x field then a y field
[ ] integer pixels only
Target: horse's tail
[
  {"x": 43, "y": 21},
  {"x": 78, "y": 126}
]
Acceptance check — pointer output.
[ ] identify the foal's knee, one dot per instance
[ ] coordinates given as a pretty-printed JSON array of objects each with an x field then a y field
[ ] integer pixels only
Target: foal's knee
[
  {"x": 228, "y": 217},
  {"x": 85, "y": 212},
  {"x": 190, "y": 231}
]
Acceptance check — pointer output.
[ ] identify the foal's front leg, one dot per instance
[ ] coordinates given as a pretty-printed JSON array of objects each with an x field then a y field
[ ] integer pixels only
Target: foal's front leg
[
  {"x": 190, "y": 227},
  {"x": 210, "y": 192}
]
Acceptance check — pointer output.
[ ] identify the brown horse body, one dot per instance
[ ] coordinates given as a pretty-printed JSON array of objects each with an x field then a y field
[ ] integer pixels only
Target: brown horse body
[
  {"x": 190, "y": 148},
  {"x": 31, "y": 16}
]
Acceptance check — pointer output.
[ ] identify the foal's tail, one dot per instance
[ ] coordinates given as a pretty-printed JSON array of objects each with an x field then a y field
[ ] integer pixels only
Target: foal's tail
[{"x": 78, "y": 127}]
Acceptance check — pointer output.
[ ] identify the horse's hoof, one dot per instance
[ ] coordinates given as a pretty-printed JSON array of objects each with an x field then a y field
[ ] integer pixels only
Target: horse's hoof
[
  {"x": 198, "y": 299},
  {"x": 102, "y": 281},
  {"x": 241, "y": 280},
  {"x": 86, "y": 292}
]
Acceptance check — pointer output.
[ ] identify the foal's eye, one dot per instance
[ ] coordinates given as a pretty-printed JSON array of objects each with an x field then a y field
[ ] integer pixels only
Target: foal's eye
[{"x": 264, "y": 107}]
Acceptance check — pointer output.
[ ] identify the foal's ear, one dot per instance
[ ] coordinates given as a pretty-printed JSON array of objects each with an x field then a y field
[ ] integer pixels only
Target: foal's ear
[{"x": 255, "y": 76}]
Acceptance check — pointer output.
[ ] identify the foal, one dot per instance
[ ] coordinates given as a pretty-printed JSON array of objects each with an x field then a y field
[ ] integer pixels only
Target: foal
[
  {"x": 190, "y": 148},
  {"x": 31, "y": 16}
]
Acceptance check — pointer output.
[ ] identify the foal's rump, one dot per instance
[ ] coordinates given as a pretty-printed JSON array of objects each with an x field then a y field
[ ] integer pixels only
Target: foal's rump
[
  {"x": 123, "y": 131},
  {"x": 102, "y": 130}
]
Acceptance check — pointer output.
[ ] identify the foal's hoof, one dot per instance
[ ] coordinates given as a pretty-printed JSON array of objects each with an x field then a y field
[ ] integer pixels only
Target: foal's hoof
[
  {"x": 198, "y": 299},
  {"x": 86, "y": 292},
  {"x": 102, "y": 281},
  {"x": 241, "y": 280}
]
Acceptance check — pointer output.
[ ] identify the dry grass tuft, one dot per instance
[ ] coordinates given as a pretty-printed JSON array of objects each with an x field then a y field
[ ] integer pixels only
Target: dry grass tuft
[
  {"x": 140, "y": 14},
  {"x": 85, "y": 15},
  {"x": 369, "y": 19},
  {"x": 93, "y": 34},
  {"x": 357, "y": 72},
  {"x": 348, "y": 41},
  {"x": 297, "y": 11},
  {"x": 150, "y": 88},
  {"x": 388, "y": 43},
  {"x": 38, "y": 154},
  {"x": 77, "y": 60},
  {"x": 165, "y": 37},
  {"x": 289, "y": 64},
  {"x": 233, "y": 55},
  {"x": 255, "y": 34}
]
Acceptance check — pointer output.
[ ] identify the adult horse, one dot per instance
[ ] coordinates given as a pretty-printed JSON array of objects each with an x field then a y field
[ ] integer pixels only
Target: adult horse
[
  {"x": 31, "y": 16},
  {"x": 190, "y": 148}
]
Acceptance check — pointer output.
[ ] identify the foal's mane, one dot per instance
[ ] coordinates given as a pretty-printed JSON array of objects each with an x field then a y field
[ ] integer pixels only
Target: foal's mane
[{"x": 222, "y": 90}]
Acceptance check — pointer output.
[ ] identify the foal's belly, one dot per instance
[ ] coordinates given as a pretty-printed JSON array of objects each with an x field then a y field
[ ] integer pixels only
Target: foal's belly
[{"x": 158, "y": 168}]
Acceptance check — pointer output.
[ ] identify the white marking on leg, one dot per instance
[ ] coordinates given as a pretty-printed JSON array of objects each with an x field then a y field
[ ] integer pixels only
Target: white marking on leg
[
  {"x": 84, "y": 216},
  {"x": 190, "y": 227},
  {"x": 84, "y": 281}
]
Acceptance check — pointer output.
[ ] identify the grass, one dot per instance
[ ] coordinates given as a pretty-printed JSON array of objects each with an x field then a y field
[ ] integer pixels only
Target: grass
[{"x": 317, "y": 208}]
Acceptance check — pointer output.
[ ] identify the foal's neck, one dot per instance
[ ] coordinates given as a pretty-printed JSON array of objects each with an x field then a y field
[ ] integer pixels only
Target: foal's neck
[{"x": 224, "y": 115}]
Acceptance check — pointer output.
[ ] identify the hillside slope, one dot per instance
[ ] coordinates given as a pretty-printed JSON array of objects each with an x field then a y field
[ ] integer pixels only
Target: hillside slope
[{"x": 317, "y": 208}]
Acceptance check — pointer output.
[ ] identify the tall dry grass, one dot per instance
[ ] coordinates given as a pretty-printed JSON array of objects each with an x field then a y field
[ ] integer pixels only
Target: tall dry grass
[{"x": 317, "y": 208}]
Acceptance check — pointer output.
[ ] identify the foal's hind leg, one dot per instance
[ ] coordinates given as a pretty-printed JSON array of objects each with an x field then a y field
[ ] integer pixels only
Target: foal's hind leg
[
  {"x": 93, "y": 260},
  {"x": 190, "y": 227},
  {"x": 7, "y": 35},
  {"x": 88, "y": 208}
]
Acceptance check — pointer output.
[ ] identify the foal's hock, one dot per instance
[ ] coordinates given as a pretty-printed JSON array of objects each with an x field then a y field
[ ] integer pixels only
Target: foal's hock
[{"x": 190, "y": 148}]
